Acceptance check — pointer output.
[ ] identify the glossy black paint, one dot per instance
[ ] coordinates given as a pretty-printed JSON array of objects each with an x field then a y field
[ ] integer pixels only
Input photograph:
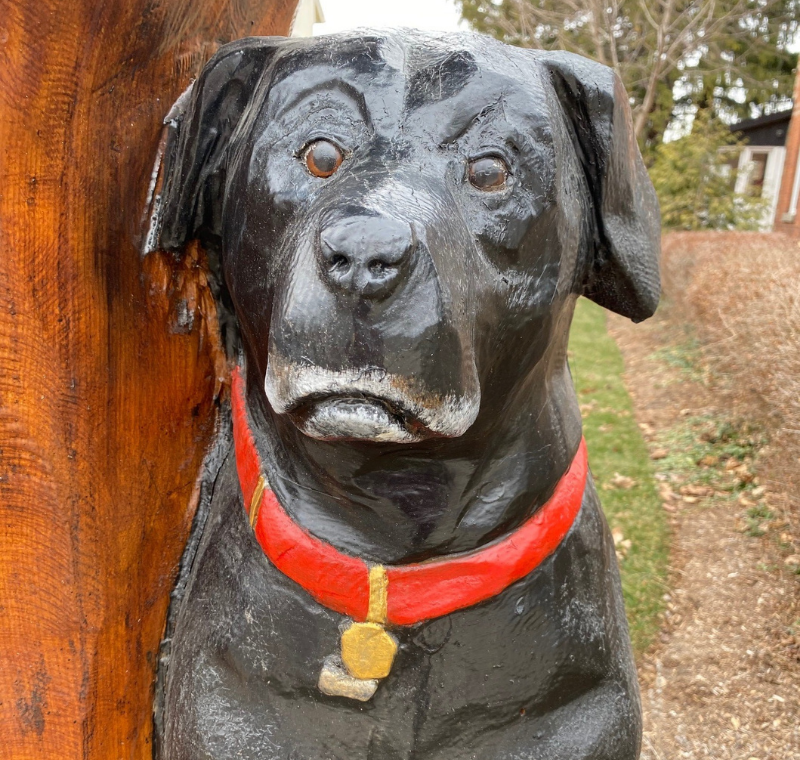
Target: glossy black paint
[{"x": 403, "y": 326}]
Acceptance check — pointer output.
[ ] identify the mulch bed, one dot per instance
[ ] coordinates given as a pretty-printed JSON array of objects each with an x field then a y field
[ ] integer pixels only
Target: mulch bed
[{"x": 723, "y": 679}]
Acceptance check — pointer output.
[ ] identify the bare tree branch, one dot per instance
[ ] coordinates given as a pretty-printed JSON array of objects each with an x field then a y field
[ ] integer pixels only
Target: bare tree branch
[{"x": 711, "y": 44}]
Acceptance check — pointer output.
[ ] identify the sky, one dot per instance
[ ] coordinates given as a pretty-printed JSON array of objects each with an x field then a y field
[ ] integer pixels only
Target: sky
[{"x": 435, "y": 15}]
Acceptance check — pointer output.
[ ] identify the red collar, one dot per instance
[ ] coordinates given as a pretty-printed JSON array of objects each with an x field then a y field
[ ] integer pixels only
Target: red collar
[{"x": 416, "y": 592}]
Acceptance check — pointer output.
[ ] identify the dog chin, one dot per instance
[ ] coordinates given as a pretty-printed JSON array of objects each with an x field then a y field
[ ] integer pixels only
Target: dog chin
[
  {"x": 365, "y": 405},
  {"x": 353, "y": 419}
]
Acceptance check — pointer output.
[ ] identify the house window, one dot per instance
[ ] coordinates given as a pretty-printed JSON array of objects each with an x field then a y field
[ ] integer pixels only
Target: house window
[{"x": 758, "y": 169}]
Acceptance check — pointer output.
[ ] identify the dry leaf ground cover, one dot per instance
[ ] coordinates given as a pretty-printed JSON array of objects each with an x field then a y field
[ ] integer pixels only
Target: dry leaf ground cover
[
  {"x": 714, "y": 391},
  {"x": 740, "y": 292}
]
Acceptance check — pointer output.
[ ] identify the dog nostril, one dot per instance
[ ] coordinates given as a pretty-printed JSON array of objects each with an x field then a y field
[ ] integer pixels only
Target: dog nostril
[
  {"x": 365, "y": 255},
  {"x": 378, "y": 267},
  {"x": 337, "y": 262}
]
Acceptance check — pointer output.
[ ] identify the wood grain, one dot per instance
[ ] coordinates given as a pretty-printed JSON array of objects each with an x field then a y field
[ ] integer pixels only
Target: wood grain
[{"x": 108, "y": 368}]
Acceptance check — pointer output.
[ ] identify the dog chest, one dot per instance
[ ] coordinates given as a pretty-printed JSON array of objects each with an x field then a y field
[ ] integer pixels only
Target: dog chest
[{"x": 251, "y": 643}]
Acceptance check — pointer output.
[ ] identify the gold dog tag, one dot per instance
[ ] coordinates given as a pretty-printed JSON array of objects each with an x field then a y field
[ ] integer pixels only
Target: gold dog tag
[{"x": 368, "y": 649}]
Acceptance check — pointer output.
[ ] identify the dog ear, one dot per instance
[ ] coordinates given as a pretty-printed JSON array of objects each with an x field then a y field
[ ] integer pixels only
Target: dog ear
[
  {"x": 623, "y": 274},
  {"x": 199, "y": 129}
]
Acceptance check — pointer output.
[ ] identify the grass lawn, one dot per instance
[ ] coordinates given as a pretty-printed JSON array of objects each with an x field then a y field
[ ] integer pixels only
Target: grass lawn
[{"x": 622, "y": 470}]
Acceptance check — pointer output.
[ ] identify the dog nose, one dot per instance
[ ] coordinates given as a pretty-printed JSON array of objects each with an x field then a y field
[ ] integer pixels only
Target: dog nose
[{"x": 366, "y": 255}]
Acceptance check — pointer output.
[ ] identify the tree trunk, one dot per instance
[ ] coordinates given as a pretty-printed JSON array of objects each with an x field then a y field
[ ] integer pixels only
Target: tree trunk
[{"x": 108, "y": 369}]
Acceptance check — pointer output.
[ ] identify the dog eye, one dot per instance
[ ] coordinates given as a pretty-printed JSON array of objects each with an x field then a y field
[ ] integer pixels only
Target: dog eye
[
  {"x": 322, "y": 158},
  {"x": 488, "y": 173}
]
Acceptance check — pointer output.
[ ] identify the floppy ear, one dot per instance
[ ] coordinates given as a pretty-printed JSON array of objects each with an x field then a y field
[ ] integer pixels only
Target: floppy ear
[
  {"x": 623, "y": 275},
  {"x": 199, "y": 129}
]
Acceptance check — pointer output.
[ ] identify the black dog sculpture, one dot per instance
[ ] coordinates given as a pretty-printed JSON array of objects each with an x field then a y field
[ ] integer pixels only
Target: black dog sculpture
[{"x": 403, "y": 557}]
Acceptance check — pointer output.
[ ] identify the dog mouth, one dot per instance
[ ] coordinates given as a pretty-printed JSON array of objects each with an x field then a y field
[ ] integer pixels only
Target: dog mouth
[
  {"x": 357, "y": 417},
  {"x": 367, "y": 404}
]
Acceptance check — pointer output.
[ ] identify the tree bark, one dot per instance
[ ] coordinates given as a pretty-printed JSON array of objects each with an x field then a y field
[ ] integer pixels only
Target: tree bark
[{"x": 108, "y": 364}]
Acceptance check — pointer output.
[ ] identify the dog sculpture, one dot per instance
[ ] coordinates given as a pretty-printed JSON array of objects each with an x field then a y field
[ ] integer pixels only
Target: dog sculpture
[{"x": 403, "y": 556}]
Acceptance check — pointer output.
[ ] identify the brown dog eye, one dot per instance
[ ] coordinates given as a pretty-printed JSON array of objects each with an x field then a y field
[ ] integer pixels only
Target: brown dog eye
[
  {"x": 488, "y": 173},
  {"x": 323, "y": 158}
]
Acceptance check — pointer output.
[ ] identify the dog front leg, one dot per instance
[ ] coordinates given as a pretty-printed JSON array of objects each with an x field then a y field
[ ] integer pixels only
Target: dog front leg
[{"x": 602, "y": 724}]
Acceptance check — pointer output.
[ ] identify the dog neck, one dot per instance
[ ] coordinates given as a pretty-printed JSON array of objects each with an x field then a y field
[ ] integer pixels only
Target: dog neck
[{"x": 397, "y": 504}]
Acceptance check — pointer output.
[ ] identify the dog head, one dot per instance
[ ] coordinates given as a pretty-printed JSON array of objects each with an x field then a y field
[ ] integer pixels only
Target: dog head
[{"x": 402, "y": 221}]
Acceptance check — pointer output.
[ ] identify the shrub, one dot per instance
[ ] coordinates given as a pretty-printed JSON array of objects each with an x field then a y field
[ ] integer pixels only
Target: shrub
[
  {"x": 740, "y": 291},
  {"x": 695, "y": 181}
]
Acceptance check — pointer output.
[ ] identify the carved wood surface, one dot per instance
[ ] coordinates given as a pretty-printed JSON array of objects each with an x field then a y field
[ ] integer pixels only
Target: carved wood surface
[{"x": 107, "y": 373}]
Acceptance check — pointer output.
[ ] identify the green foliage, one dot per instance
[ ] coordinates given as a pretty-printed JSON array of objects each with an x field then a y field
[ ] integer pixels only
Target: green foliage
[
  {"x": 730, "y": 55},
  {"x": 616, "y": 447},
  {"x": 695, "y": 181},
  {"x": 682, "y": 356},
  {"x": 694, "y": 441},
  {"x": 710, "y": 452},
  {"x": 755, "y": 519},
  {"x": 747, "y": 69}
]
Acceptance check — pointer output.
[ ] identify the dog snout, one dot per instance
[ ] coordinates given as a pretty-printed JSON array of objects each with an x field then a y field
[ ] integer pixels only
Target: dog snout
[{"x": 367, "y": 256}]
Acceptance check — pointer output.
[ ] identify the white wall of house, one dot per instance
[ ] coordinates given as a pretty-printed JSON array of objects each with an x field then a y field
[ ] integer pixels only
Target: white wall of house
[
  {"x": 762, "y": 167},
  {"x": 308, "y": 13}
]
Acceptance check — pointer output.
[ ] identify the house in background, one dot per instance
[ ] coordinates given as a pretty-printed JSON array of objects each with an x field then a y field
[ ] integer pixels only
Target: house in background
[
  {"x": 309, "y": 12},
  {"x": 786, "y": 217},
  {"x": 770, "y": 163},
  {"x": 761, "y": 161}
]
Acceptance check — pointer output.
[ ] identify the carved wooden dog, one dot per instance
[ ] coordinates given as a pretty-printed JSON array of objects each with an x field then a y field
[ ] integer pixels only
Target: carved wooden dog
[{"x": 403, "y": 556}]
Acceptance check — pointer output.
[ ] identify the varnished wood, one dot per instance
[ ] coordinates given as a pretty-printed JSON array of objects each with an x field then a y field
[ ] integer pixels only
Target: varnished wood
[
  {"x": 108, "y": 372},
  {"x": 786, "y": 217}
]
